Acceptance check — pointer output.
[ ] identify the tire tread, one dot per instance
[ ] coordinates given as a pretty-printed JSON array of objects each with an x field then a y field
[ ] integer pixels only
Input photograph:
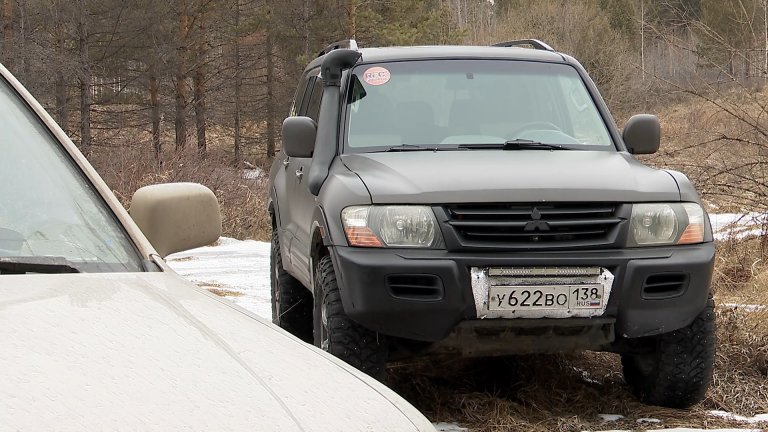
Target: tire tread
[
  {"x": 360, "y": 347},
  {"x": 680, "y": 367},
  {"x": 293, "y": 311}
]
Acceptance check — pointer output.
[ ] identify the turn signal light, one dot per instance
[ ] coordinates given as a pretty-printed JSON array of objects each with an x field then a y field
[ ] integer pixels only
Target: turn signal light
[
  {"x": 693, "y": 234},
  {"x": 362, "y": 236}
]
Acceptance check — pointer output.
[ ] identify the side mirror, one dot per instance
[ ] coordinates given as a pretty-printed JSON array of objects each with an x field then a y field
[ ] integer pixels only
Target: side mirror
[
  {"x": 299, "y": 136},
  {"x": 176, "y": 216},
  {"x": 642, "y": 134}
]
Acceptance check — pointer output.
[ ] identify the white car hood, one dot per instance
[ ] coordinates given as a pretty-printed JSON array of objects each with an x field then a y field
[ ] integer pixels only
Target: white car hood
[{"x": 152, "y": 352}]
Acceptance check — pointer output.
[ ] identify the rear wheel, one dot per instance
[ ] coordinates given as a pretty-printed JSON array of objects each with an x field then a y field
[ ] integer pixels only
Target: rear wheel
[
  {"x": 678, "y": 369},
  {"x": 339, "y": 335},
  {"x": 291, "y": 301}
]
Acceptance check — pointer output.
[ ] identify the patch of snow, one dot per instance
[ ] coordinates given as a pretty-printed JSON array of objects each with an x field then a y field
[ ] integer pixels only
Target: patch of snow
[
  {"x": 610, "y": 417},
  {"x": 253, "y": 173},
  {"x": 730, "y": 416},
  {"x": 704, "y": 430},
  {"x": 241, "y": 267},
  {"x": 746, "y": 307},
  {"x": 586, "y": 377},
  {"x": 689, "y": 430},
  {"x": 736, "y": 225},
  {"x": 449, "y": 427},
  {"x": 648, "y": 420}
]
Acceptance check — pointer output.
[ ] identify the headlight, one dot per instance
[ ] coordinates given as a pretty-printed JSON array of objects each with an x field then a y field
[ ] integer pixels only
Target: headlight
[
  {"x": 394, "y": 226},
  {"x": 660, "y": 224}
]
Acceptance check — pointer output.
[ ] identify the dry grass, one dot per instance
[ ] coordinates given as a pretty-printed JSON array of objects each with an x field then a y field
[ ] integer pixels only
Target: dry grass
[
  {"x": 242, "y": 200},
  {"x": 182, "y": 259},
  {"x": 223, "y": 292},
  {"x": 568, "y": 392},
  {"x": 122, "y": 154},
  {"x": 719, "y": 140}
]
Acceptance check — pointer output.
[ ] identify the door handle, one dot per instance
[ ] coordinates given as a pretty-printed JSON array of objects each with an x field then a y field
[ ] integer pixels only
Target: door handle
[
  {"x": 299, "y": 174},
  {"x": 286, "y": 161}
]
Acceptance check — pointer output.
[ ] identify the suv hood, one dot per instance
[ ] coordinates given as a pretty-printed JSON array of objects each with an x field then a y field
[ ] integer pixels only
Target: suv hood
[
  {"x": 509, "y": 176},
  {"x": 152, "y": 352}
]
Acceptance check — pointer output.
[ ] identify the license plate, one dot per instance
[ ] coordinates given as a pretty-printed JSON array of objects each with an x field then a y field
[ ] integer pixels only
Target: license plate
[{"x": 563, "y": 297}]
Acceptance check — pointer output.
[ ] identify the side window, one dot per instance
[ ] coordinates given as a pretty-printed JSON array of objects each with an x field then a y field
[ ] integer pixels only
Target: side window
[
  {"x": 300, "y": 92},
  {"x": 313, "y": 107}
]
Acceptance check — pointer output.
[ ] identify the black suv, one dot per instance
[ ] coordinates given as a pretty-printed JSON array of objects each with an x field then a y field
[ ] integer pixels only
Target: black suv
[{"x": 481, "y": 201}]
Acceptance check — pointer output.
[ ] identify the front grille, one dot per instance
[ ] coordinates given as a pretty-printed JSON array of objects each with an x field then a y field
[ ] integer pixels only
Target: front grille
[{"x": 535, "y": 226}]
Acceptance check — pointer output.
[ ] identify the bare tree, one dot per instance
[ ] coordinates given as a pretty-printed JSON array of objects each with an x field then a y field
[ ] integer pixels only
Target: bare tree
[
  {"x": 237, "y": 86},
  {"x": 8, "y": 29},
  {"x": 154, "y": 103},
  {"x": 270, "y": 97},
  {"x": 60, "y": 86},
  {"x": 181, "y": 75},
  {"x": 198, "y": 82},
  {"x": 86, "y": 97}
]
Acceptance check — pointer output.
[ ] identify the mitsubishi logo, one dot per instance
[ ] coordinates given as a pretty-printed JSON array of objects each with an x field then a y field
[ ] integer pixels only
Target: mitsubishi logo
[{"x": 536, "y": 224}]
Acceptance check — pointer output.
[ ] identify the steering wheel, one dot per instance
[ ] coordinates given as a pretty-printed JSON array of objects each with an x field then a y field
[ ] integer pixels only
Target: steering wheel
[
  {"x": 544, "y": 132},
  {"x": 537, "y": 125}
]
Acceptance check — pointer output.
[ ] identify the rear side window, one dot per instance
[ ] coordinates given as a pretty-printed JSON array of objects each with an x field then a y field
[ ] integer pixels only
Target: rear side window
[
  {"x": 300, "y": 92},
  {"x": 313, "y": 107}
]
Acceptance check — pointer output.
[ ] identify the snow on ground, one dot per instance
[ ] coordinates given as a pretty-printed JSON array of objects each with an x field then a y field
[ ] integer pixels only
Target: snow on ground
[
  {"x": 252, "y": 173},
  {"x": 610, "y": 417},
  {"x": 691, "y": 430},
  {"x": 449, "y": 427},
  {"x": 746, "y": 307},
  {"x": 239, "y": 270},
  {"x": 756, "y": 419},
  {"x": 736, "y": 225}
]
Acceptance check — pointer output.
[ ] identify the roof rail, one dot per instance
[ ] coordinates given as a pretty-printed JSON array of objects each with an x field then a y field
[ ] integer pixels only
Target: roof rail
[
  {"x": 347, "y": 44},
  {"x": 535, "y": 43}
]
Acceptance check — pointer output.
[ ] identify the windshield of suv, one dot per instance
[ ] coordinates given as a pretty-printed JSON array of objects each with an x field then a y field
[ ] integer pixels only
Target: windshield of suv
[
  {"x": 451, "y": 104},
  {"x": 50, "y": 214}
]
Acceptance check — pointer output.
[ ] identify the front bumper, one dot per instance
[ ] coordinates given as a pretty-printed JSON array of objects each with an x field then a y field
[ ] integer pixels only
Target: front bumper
[{"x": 424, "y": 294}]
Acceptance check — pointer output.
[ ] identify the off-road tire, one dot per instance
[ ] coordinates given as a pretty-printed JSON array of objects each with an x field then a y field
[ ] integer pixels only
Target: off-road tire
[
  {"x": 291, "y": 301},
  {"x": 339, "y": 335},
  {"x": 678, "y": 371}
]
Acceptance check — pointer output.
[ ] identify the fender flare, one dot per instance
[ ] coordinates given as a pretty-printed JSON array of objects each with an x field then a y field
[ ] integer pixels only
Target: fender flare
[{"x": 320, "y": 241}]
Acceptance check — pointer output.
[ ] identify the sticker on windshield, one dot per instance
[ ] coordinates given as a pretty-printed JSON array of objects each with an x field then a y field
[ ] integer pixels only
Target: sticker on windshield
[{"x": 376, "y": 76}]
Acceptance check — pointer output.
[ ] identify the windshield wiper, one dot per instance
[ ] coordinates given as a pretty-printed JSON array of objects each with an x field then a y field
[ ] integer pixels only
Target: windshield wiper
[
  {"x": 524, "y": 144},
  {"x": 34, "y": 264},
  {"x": 408, "y": 147},
  {"x": 516, "y": 144}
]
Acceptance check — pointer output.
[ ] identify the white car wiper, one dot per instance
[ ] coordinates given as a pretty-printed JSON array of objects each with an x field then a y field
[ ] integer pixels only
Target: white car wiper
[{"x": 36, "y": 264}]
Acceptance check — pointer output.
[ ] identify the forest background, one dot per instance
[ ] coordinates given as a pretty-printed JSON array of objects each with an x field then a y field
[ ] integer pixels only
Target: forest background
[{"x": 196, "y": 90}]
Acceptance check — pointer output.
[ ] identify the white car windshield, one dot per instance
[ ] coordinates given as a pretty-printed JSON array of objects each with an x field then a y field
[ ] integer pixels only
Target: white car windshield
[
  {"x": 49, "y": 210},
  {"x": 447, "y": 104}
]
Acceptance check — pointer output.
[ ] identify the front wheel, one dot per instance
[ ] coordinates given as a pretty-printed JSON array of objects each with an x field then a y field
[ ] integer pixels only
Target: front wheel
[
  {"x": 678, "y": 369},
  {"x": 339, "y": 335}
]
